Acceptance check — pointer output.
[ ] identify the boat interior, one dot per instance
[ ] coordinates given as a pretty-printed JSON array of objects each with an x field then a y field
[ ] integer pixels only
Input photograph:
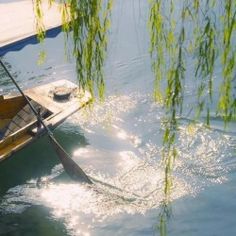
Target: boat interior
[
  {"x": 16, "y": 114},
  {"x": 18, "y": 124}
]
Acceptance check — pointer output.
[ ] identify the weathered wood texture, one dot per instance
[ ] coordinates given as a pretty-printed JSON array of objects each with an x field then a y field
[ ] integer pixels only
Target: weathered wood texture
[
  {"x": 59, "y": 111},
  {"x": 24, "y": 117},
  {"x": 10, "y": 106}
]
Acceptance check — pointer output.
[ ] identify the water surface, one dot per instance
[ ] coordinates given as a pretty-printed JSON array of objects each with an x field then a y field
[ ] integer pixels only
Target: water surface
[{"x": 118, "y": 142}]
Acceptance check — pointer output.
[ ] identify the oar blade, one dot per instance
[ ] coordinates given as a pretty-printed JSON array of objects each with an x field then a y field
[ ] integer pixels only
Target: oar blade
[{"x": 71, "y": 168}]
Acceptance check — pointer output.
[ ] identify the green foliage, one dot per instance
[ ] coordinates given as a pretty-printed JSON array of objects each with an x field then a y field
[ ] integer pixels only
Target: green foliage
[
  {"x": 203, "y": 31},
  {"x": 227, "y": 102},
  {"x": 164, "y": 216},
  {"x": 157, "y": 39},
  {"x": 209, "y": 39},
  {"x": 39, "y": 20},
  {"x": 87, "y": 22}
]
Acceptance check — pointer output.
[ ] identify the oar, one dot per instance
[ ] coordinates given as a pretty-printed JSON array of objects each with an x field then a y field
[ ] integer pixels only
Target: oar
[{"x": 71, "y": 168}]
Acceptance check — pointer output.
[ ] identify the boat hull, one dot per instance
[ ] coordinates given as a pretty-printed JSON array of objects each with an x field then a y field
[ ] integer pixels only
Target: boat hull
[{"x": 57, "y": 112}]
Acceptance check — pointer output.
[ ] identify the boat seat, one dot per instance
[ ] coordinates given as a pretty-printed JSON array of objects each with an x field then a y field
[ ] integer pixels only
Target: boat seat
[{"x": 22, "y": 118}]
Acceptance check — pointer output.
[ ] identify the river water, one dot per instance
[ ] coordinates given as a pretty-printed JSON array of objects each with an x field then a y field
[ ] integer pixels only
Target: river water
[{"x": 118, "y": 142}]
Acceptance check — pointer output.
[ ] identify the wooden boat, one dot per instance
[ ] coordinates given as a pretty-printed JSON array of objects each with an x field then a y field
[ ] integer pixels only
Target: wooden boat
[{"x": 54, "y": 102}]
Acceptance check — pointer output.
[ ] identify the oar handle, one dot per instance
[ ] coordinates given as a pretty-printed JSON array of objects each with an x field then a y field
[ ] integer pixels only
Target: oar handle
[{"x": 26, "y": 98}]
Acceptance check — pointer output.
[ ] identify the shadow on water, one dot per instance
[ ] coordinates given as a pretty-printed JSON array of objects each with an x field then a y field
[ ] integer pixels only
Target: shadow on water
[
  {"x": 135, "y": 169},
  {"x": 31, "y": 162},
  {"x": 205, "y": 157},
  {"x": 36, "y": 160},
  {"x": 37, "y": 223}
]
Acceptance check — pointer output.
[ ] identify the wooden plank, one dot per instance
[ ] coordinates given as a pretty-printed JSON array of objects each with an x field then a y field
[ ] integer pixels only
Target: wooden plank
[
  {"x": 44, "y": 95},
  {"x": 23, "y": 118},
  {"x": 45, "y": 101},
  {"x": 12, "y": 137},
  {"x": 54, "y": 120},
  {"x": 15, "y": 146},
  {"x": 10, "y": 106},
  {"x": 57, "y": 120},
  {"x": 62, "y": 110}
]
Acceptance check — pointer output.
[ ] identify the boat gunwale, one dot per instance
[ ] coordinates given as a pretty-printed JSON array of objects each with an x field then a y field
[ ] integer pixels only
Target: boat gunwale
[{"x": 31, "y": 132}]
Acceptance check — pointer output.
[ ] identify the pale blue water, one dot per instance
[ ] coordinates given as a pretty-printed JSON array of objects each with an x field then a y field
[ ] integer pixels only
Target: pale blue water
[{"x": 118, "y": 142}]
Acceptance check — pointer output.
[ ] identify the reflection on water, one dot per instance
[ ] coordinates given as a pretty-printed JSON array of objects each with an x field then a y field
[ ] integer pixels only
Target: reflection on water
[
  {"x": 135, "y": 187},
  {"x": 121, "y": 143}
]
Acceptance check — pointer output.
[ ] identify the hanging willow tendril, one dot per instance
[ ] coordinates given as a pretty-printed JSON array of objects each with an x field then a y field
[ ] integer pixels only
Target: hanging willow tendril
[
  {"x": 167, "y": 51},
  {"x": 227, "y": 102},
  {"x": 169, "y": 48},
  {"x": 206, "y": 51},
  {"x": 157, "y": 39},
  {"x": 87, "y": 22},
  {"x": 39, "y": 19},
  {"x": 201, "y": 31}
]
